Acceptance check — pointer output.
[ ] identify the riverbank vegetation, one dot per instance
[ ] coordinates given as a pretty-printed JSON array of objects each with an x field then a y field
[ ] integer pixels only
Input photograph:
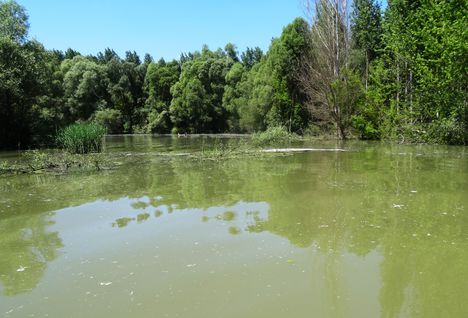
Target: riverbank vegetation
[{"x": 397, "y": 73}]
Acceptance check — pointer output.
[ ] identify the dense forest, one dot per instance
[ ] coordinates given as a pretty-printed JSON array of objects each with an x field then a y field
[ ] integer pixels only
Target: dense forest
[{"x": 345, "y": 69}]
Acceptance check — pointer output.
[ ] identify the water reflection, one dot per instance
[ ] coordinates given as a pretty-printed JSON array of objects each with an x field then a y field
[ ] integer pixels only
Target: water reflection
[
  {"x": 26, "y": 246},
  {"x": 238, "y": 217},
  {"x": 399, "y": 211}
]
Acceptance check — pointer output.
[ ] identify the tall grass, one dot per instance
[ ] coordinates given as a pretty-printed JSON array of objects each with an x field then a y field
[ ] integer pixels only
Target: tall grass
[
  {"x": 273, "y": 136},
  {"x": 82, "y": 138}
]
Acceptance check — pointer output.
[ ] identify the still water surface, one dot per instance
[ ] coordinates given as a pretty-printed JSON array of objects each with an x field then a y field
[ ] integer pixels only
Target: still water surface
[{"x": 378, "y": 231}]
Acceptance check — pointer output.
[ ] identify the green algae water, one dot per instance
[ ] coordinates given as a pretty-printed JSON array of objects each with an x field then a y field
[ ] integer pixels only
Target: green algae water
[{"x": 377, "y": 231}]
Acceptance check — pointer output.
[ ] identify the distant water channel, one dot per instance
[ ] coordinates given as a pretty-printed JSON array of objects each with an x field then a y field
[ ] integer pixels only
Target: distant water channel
[{"x": 378, "y": 231}]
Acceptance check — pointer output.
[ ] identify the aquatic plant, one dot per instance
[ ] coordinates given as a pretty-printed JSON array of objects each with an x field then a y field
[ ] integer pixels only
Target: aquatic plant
[
  {"x": 273, "y": 135},
  {"x": 81, "y": 138},
  {"x": 36, "y": 161},
  {"x": 6, "y": 167}
]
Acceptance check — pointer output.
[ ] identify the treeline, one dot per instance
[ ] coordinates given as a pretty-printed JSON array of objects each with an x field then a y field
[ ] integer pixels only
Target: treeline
[{"x": 398, "y": 74}]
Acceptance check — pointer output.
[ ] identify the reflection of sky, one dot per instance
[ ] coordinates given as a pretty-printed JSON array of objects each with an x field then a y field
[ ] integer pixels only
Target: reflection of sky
[
  {"x": 78, "y": 225},
  {"x": 400, "y": 207},
  {"x": 187, "y": 259}
]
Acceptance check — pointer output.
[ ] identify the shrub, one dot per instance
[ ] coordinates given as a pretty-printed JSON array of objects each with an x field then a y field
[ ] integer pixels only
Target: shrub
[
  {"x": 111, "y": 119},
  {"x": 158, "y": 122},
  {"x": 273, "y": 135},
  {"x": 82, "y": 138},
  {"x": 365, "y": 127},
  {"x": 174, "y": 130},
  {"x": 447, "y": 131}
]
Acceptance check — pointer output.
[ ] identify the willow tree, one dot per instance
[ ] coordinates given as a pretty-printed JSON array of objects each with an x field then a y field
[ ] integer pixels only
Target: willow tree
[{"x": 331, "y": 85}]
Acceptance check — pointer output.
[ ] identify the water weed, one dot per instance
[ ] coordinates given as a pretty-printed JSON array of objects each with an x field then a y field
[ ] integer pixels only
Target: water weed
[
  {"x": 82, "y": 138},
  {"x": 273, "y": 135}
]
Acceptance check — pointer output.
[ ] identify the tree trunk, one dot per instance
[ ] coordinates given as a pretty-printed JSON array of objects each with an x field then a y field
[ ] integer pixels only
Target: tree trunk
[
  {"x": 342, "y": 131},
  {"x": 367, "y": 69},
  {"x": 398, "y": 88}
]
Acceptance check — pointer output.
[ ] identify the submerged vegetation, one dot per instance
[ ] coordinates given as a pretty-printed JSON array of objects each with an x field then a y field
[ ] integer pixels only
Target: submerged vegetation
[
  {"x": 395, "y": 74},
  {"x": 81, "y": 144},
  {"x": 36, "y": 161},
  {"x": 254, "y": 145},
  {"x": 397, "y": 213},
  {"x": 63, "y": 161}
]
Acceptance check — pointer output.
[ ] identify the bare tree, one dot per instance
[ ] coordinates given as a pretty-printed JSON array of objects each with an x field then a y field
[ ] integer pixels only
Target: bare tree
[{"x": 325, "y": 73}]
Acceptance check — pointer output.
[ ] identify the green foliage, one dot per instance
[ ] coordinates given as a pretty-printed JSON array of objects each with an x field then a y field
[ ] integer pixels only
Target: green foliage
[
  {"x": 221, "y": 151},
  {"x": 320, "y": 130},
  {"x": 365, "y": 127},
  {"x": 35, "y": 161},
  {"x": 158, "y": 121},
  {"x": 348, "y": 95},
  {"x": 111, "y": 119},
  {"x": 420, "y": 80},
  {"x": 448, "y": 131},
  {"x": 22, "y": 74},
  {"x": 402, "y": 77},
  {"x": 254, "y": 98},
  {"x": 81, "y": 138},
  {"x": 273, "y": 136},
  {"x": 125, "y": 89},
  {"x": 367, "y": 27},
  {"x": 160, "y": 77},
  {"x": 285, "y": 60},
  {"x": 13, "y": 21},
  {"x": 233, "y": 96},
  {"x": 267, "y": 93},
  {"x": 231, "y": 51},
  {"x": 197, "y": 96},
  {"x": 84, "y": 84},
  {"x": 251, "y": 56}
]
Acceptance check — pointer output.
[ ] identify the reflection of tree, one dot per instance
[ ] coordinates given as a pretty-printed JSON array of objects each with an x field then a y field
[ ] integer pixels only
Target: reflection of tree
[
  {"x": 355, "y": 202},
  {"x": 425, "y": 278},
  {"x": 26, "y": 247},
  {"x": 414, "y": 218}
]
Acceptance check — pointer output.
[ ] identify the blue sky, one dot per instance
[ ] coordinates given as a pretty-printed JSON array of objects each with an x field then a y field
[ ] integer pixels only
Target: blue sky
[{"x": 163, "y": 28}]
